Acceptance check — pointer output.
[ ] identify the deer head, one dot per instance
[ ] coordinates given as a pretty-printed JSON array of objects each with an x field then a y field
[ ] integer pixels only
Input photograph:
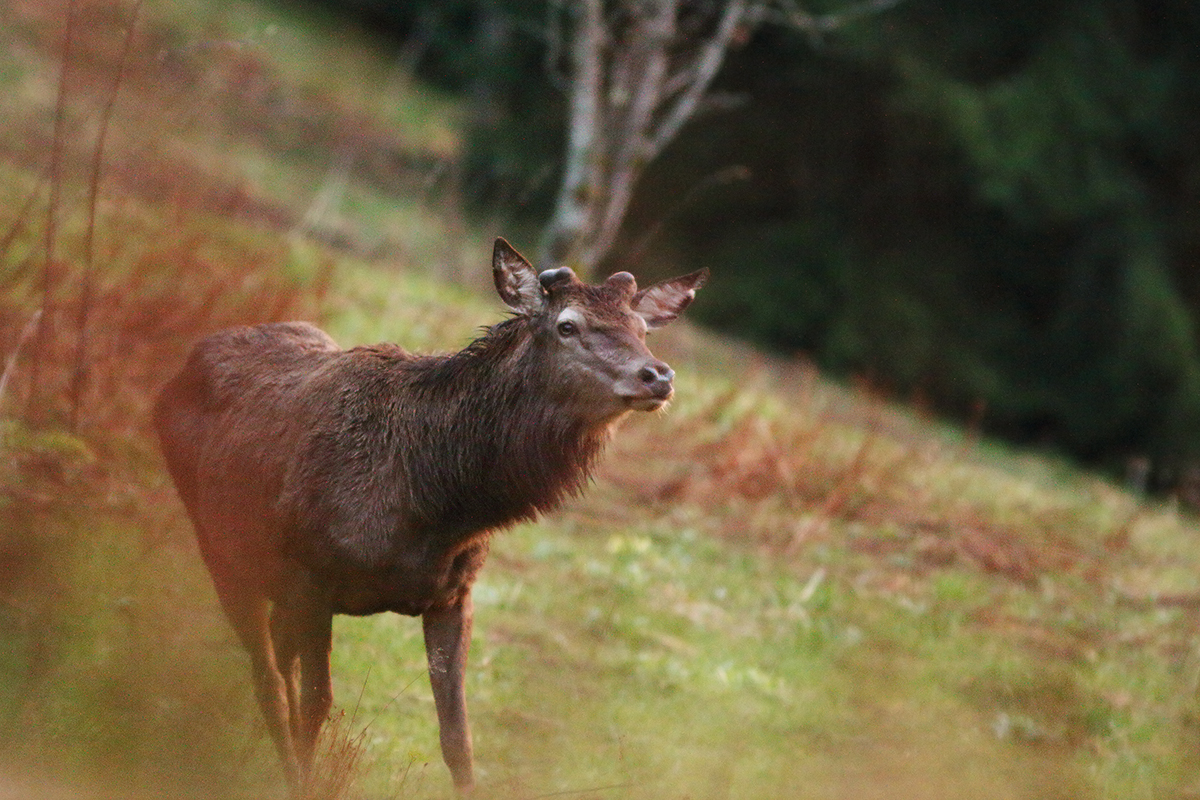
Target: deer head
[{"x": 594, "y": 336}]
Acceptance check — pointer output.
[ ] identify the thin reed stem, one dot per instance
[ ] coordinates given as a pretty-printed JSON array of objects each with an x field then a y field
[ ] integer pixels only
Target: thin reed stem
[
  {"x": 50, "y": 268},
  {"x": 79, "y": 372}
]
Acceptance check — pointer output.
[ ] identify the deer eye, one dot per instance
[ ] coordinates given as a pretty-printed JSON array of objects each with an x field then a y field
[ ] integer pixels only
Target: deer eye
[{"x": 567, "y": 328}]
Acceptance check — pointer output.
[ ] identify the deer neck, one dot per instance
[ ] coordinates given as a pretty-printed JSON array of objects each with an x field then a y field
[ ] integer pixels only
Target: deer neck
[{"x": 509, "y": 449}]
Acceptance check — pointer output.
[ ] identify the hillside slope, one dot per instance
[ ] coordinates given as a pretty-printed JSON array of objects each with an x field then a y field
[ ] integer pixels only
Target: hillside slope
[{"x": 780, "y": 587}]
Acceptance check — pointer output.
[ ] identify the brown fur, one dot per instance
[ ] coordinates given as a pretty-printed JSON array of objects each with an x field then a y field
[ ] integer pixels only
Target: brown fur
[{"x": 325, "y": 481}]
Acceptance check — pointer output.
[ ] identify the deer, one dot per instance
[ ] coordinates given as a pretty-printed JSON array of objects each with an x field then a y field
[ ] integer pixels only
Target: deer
[{"x": 323, "y": 481}]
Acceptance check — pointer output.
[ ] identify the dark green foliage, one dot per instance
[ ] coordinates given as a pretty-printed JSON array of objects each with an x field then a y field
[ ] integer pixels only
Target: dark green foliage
[
  {"x": 992, "y": 203},
  {"x": 985, "y": 204}
]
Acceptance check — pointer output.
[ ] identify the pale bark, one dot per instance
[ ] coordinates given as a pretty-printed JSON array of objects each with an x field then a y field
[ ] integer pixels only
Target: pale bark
[
  {"x": 582, "y": 171},
  {"x": 633, "y": 82}
]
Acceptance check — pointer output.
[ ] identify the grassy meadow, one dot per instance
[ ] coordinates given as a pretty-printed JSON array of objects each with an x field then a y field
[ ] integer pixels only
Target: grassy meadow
[{"x": 781, "y": 587}]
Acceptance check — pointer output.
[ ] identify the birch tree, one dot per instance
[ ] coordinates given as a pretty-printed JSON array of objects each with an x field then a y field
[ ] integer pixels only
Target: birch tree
[{"x": 636, "y": 71}]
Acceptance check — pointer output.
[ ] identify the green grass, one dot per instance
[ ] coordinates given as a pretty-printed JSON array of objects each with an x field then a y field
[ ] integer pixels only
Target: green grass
[
  {"x": 672, "y": 650},
  {"x": 664, "y": 663}
]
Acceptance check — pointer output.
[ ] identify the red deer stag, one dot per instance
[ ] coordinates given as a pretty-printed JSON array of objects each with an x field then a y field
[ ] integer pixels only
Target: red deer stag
[{"x": 323, "y": 481}]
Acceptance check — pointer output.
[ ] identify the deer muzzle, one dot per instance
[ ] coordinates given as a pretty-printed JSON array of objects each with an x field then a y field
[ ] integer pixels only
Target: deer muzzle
[{"x": 654, "y": 386}]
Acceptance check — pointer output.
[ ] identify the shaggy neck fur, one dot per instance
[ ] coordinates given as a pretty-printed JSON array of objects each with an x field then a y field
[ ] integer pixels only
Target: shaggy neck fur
[{"x": 500, "y": 449}]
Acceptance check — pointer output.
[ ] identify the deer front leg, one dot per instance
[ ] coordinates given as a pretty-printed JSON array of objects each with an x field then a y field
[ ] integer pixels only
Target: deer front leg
[{"x": 447, "y": 640}]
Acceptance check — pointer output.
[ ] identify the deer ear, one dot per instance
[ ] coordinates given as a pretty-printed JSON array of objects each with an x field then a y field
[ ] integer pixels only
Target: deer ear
[
  {"x": 516, "y": 281},
  {"x": 663, "y": 302}
]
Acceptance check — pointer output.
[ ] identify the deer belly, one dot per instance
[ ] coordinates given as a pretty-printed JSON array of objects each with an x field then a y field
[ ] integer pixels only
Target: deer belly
[
  {"x": 367, "y": 595},
  {"x": 408, "y": 588}
]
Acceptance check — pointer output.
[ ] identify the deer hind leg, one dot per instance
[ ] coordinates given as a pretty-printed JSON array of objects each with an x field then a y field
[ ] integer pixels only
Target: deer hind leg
[
  {"x": 316, "y": 691},
  {"x": 287, "y": 657},
  {"x": 302, "y": 629},
  {"x": 250, "y": 616}
]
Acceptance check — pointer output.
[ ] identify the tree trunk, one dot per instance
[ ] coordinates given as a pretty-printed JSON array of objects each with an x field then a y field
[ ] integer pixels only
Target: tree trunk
[
  {"x": 633, "y": 84},
  {"x": 582, "y": 173}
]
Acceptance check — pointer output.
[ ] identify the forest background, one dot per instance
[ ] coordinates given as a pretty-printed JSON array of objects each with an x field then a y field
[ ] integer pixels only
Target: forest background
[{"x": 991, "y": 209}]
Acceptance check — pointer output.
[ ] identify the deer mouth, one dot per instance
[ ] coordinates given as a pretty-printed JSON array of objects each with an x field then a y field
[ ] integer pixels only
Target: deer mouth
[{"x": 650, "y": 401}]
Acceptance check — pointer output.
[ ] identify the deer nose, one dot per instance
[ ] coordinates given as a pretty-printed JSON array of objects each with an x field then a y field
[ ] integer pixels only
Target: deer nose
[{"x": 657, "y": 377}]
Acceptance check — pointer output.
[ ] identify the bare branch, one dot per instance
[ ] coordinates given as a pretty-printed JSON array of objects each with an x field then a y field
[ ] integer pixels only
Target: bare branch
[
  {"x": 712, "y": 55},
  {"x": 26, "y": 334},
  {"x": 640, "y": 93},
  {"x": 637, "y": 75},
  {"x": 318, "y": 218},
  {"x": 656, "y": 35},
  {"x": 818, "y": 24}
]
